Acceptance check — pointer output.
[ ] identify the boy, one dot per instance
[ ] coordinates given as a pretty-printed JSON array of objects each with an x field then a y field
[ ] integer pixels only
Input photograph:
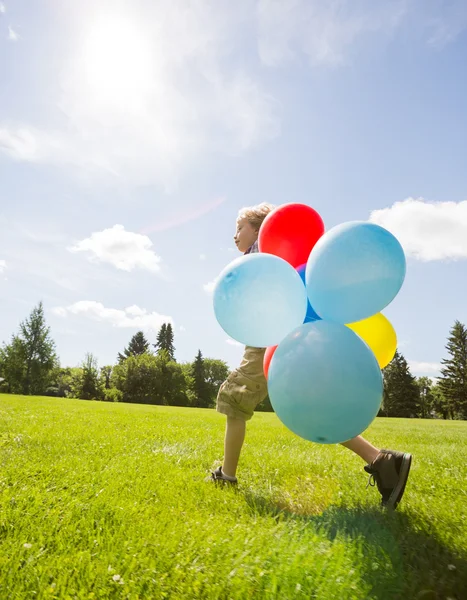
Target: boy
[{"x": 246, "y": 387}]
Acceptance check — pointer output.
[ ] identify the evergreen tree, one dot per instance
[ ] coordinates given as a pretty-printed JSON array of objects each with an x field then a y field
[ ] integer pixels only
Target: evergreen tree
[
  {"x": 28, "y": 362},
  {"x": 40, "y": 353},
  {"x": 87, "y": 385},
  {"x": 138, "y": 345},
  {"x": 165, "y": 341},
  {"x": 401, "y": 393},
  {"x": 453, "y": 382},
  {"x": 200, "y": 387}
]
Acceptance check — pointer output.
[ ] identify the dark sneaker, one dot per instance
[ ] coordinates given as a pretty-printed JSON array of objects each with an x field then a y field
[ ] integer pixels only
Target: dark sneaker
[
  {"x": 390, "y": 471},
  {"x": 218, "y": 476}
]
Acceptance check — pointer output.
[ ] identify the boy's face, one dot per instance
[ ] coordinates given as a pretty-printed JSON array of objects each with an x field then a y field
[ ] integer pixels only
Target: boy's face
[{"x": 245, "y": 235}]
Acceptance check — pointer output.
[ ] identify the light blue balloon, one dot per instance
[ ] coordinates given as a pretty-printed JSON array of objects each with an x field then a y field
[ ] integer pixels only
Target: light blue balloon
[
  {"x": 325, "y": 383},
  {"x": 259, "y": 299},
  {"x": 354, "y": 271}
]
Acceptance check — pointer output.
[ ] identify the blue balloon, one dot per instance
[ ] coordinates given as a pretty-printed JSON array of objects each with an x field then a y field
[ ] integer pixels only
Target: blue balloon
[
  {"x": 354, "y": 271},
  {"x": 325, "y": 383},
  {"x": 259, "y": 299},
  {"x": 310, "y": 313}
]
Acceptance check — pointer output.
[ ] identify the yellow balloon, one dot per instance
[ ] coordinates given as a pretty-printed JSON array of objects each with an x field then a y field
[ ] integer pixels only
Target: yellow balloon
[{"x": 379, "y": 334}]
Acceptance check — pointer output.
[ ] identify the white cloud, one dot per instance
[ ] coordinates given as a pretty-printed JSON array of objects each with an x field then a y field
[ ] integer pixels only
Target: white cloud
[
  {"x": 148, "y": 91},
  {"x": 322, "y": 30},
  {"x": 427, "y": 230},
  {"x": 233, "y": 342},
  {"x": 209, "y": 287},
  {"x": 122, "y": 249},
  {"x": 145, "y": 91},
  {"x": 327, "y": 31},
  {"x": 12, "y": 34},
  {"x": 131, "y": 317},
  {"x": 202, "y": 256},
  {"x": 424, "y": 368},
  {"x": 2, "y": 265},
  {"x": 2, "y": 8},
  {"x": 181, "y": 328}
]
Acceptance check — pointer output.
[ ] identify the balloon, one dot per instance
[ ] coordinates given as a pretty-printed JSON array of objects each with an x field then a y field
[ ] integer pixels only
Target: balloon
[
  {"x": 267, "y": 359},
  {"x": 379, "y": 334},
  {"x": 354, "y": 271},
  {"x": 310, "y": 313},
  {"x": 258, "y": 299},
  {"x": 325, "y": 383},
  {"x": 290, "y": 231}
]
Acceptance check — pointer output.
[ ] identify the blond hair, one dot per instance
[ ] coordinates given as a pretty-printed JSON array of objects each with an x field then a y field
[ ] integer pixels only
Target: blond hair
[{"x": 255, "y": 215}]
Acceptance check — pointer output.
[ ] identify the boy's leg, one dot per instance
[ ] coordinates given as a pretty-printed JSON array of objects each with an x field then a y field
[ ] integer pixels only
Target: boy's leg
[
  {"x": 238, "y": 397},
  {"x": 233, "y": 442},
  {"x": 387, "y": 468},
  {"x": 362, "y": 448}
]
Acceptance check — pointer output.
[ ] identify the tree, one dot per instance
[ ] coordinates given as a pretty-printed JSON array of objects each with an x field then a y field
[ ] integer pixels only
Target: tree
[
  {"x": 39, "y": 350},
  {"x": 87, "y": 385},
  {"x": 440, "y": 404},
  {"x": 200, "y": 387},
  {"x": 401, "y": 393},
  {"x": 138, "y": 345},
  {"x": 28, "y": 362},
  {"x": 165, "y": 340},
  {"x": 453, "y": 382},
  {"x": 140, "y": 379},
  {"x": 425, "y": 386},
  {"x": 173, "y": 381},
  {"x": 60, "y": 384},
  {"x": 12, "y": 365},
  {"x": 106, "y": 376},
  {"x": 215, "y": 373}
]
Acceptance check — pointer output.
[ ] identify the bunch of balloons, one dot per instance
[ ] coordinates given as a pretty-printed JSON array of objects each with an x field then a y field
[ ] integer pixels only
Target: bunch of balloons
[{"x": 314, "y": 300}]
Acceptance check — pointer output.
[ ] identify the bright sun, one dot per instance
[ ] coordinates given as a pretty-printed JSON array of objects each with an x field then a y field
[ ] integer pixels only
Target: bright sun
[{"x": 117, "y": 64}]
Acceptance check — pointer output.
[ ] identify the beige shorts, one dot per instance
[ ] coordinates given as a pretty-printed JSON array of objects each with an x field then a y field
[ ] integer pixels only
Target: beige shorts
[{"x": 245, "y": 388}]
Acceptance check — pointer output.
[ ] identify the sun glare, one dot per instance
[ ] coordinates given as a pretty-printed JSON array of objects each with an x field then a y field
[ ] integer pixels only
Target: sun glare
[{"x": 117, "y": 64}]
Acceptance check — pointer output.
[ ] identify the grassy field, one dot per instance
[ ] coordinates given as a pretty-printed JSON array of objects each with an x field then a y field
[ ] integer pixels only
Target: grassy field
[{"x": 105, "y": 500}]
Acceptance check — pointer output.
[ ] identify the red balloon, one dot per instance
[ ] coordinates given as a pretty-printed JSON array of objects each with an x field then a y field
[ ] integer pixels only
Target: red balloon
[
  {"x": 267, "y": 359},
  {"x": 290, "y": 231}
]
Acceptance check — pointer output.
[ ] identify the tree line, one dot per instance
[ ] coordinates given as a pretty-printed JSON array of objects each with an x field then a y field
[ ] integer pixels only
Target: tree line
[{"x": 150, "y": 374}]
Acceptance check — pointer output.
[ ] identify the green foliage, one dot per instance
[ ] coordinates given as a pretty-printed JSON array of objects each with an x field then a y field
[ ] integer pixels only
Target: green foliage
[
  {"x": 440, "y": 404},
  {"x": 13, "y": 365},
  {"x": 106, "y": 376},
  {"x": 138, "y": 345},
  {"x": 401, "y": 394},
  {"x": 109, "y": 501},
  {"x": 426, "y": 399},
  {"x": 86, "y": 382},
  {"x": 200, "y": 387},
  {"x": 165, "y": 341},
  {"x": 453, "y": 382},
  {"x": 215, "y": 373},
  {"x": 113, "y": 395},
  {"x": 28, "y": 361},
  {"x": 149, "y": 379}
]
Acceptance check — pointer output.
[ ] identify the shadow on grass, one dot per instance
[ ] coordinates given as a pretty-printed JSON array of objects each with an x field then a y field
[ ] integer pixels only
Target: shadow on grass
[{"x": 399, "y": 557}]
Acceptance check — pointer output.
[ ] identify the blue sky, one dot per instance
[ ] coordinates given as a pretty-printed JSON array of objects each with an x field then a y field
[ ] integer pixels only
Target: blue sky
[{"x": 131, "y": 133}]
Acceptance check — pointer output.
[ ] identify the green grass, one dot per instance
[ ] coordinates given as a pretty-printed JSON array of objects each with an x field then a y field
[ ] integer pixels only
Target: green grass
[{"x": 105, "y": 500}]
